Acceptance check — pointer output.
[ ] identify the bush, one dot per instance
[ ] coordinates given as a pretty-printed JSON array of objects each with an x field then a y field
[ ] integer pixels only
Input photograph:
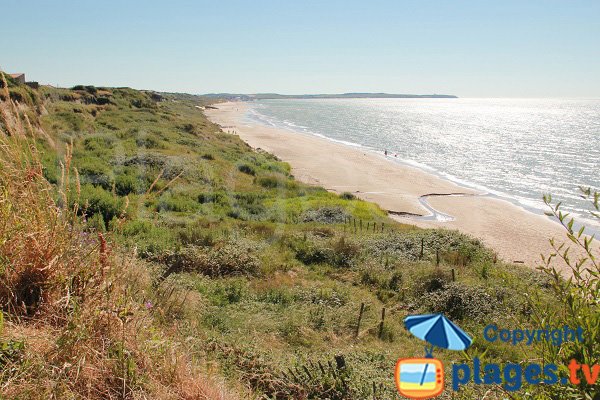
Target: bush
[
  {"x": 246, "y": 169},
  {"x": 577, "y": 288},
  {"x": 231, "y": 291},
  {"x": 213, "y": 197},
  {"x": 141, "y": 103},
  {"x": 96, "y": 200},
  {"x": 273, "y": 181},
  {"x": 340, "y": 253},
  {"x": 343, "y": 254},
  {"x": 458, "y": 301},
  {"x": 151, "y": 239},
  {"x": 277, "y": 296},
  {"x": 310, "y": 252},
  {"x": 96, "y": 223},
  {"x": 278, "y": 167},
  {"x": 126, "y": 184},
  {"x": 97, "y": 143},
  {"x": 149, "y": 143},
  {"x": 325, "y": 215},
  {"x": 269, "y": 182},
  {"x": 251, "y": 203},
  {"x": 90, "y": 89},
  {"x": 224, "y": 259},
  {"x": 149, "y": 160},
  {"x": 189, "y": 128},
  {"x": 176, "y": 203},
  {"x": 407, "y": 245},
  {"x": 94, "y": 171}
]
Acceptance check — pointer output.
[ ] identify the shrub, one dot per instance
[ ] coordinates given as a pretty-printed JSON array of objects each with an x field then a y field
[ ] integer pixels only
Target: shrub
[
  {"x": 189, "y": 128},
  {"x": 269, "y": 182},
  {"x": 102, "y": 101},
  {"x": 340, "y": 253},
  {"x": 177, "y": 203},
  {"x": 246, "y": 169},
  {"x": 348, "y": 196},
  {"x": 325, "y": 215},
  {"x": 142, "y": 103},
  {"x": 94, "y": 171},
  {"x": 96, "y": 200},
  {"x": 310, "y": 252},
  {"x": 251, "y": 203},
  {"x": 96, "y": 223},
  {"x": 230, "y": 291},
  {"x": 407, "y": 245},
  {"x": 149, "y": 160},
  {"x": 224, "y": 259},
  {"x": 577, "y": 288},
  {"x": 460, "y": 301},
  {"x": 151, "y": 239},
  {"x": 278, "y": 167},
  {"x": 278, "y": 296},
  {"x": 344, "y": 253},
  {"x": 126, "y": 184},
  {"x": 97, "y": 143},
  {"x": 148, "y": 143},
  {"x": 213, "y": 197}
]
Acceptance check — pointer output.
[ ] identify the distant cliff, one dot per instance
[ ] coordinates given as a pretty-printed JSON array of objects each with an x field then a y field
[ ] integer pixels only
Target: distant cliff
[{"x": 263, "y": 96}]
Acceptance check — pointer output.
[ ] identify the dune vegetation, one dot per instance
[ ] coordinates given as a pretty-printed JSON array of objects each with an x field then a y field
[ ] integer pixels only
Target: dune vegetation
[{"x": 145, "y": 253}]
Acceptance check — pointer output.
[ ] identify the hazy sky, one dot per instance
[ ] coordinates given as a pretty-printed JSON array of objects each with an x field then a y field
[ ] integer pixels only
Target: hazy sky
[{"x": 499, "y": 48}]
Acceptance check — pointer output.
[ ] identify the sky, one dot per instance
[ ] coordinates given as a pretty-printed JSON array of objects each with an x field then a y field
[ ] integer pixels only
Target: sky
[{"x": 501, "y": 48}]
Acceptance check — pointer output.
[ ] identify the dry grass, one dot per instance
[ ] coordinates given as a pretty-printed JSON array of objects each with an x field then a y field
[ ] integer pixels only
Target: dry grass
[{"x": 77, "y": 322}]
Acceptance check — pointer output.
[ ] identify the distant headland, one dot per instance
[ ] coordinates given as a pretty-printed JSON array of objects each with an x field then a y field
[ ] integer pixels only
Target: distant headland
[{"x": 265, "y": 96}]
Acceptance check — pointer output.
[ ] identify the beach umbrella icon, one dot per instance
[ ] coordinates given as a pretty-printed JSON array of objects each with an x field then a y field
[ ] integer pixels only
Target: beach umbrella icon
[{"x": 437, "y": 330}]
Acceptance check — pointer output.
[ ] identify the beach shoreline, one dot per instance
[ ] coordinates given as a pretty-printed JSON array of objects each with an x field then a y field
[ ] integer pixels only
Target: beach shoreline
[{"x": 405, "y": 191}]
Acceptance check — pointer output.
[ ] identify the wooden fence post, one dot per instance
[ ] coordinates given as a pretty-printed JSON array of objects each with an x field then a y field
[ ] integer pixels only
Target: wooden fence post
[
  {"x": 360, "y": 314},
  {"x": 381, "y": 323},
  {"x": 437, "y": 257},
  {"x": 453, "y": 275},
  {"x": 422, "y": 248}
]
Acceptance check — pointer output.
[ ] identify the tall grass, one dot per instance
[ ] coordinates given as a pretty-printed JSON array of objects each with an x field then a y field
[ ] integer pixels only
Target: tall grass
[{"x": 79, "y": 318}]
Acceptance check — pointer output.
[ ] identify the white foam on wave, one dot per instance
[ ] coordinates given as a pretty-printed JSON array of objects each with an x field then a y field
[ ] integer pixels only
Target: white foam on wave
[{"x": 256, "y": 116}]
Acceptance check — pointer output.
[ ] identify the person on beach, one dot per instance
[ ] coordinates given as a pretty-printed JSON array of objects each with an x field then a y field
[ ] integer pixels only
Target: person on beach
[{"x": 385, "y": 152}]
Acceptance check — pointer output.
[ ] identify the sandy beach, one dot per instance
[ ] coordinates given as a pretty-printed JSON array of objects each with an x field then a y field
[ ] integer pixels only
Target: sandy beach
[{"x": 514, "y": 233}]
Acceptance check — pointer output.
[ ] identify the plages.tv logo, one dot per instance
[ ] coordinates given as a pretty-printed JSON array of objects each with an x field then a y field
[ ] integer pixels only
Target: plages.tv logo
[{"x": 422, "y": 378}]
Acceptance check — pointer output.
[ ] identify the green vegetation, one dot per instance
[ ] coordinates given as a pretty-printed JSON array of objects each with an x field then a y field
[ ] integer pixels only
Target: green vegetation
[
  {"x": 578, "y": 298},
  {"x": 233, "y": 267}
]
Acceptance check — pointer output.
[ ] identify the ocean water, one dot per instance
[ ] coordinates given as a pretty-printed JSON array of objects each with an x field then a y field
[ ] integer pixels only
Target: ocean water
[{"x": 517, "y": 149}]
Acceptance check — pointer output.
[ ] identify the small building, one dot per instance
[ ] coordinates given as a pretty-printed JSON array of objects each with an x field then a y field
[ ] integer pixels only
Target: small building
[{"x": 20, "y": 78}]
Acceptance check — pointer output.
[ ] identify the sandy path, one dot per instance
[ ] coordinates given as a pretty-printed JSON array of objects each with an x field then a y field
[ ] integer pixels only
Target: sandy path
[{"x": 515, "y": 234}]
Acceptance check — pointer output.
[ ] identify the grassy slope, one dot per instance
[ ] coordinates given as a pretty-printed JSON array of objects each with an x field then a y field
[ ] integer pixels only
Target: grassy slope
[{"x": 268, "y": 277}]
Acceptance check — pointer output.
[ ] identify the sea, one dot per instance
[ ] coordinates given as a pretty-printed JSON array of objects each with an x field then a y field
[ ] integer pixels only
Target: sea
[{"x": 515, "y": 149}]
